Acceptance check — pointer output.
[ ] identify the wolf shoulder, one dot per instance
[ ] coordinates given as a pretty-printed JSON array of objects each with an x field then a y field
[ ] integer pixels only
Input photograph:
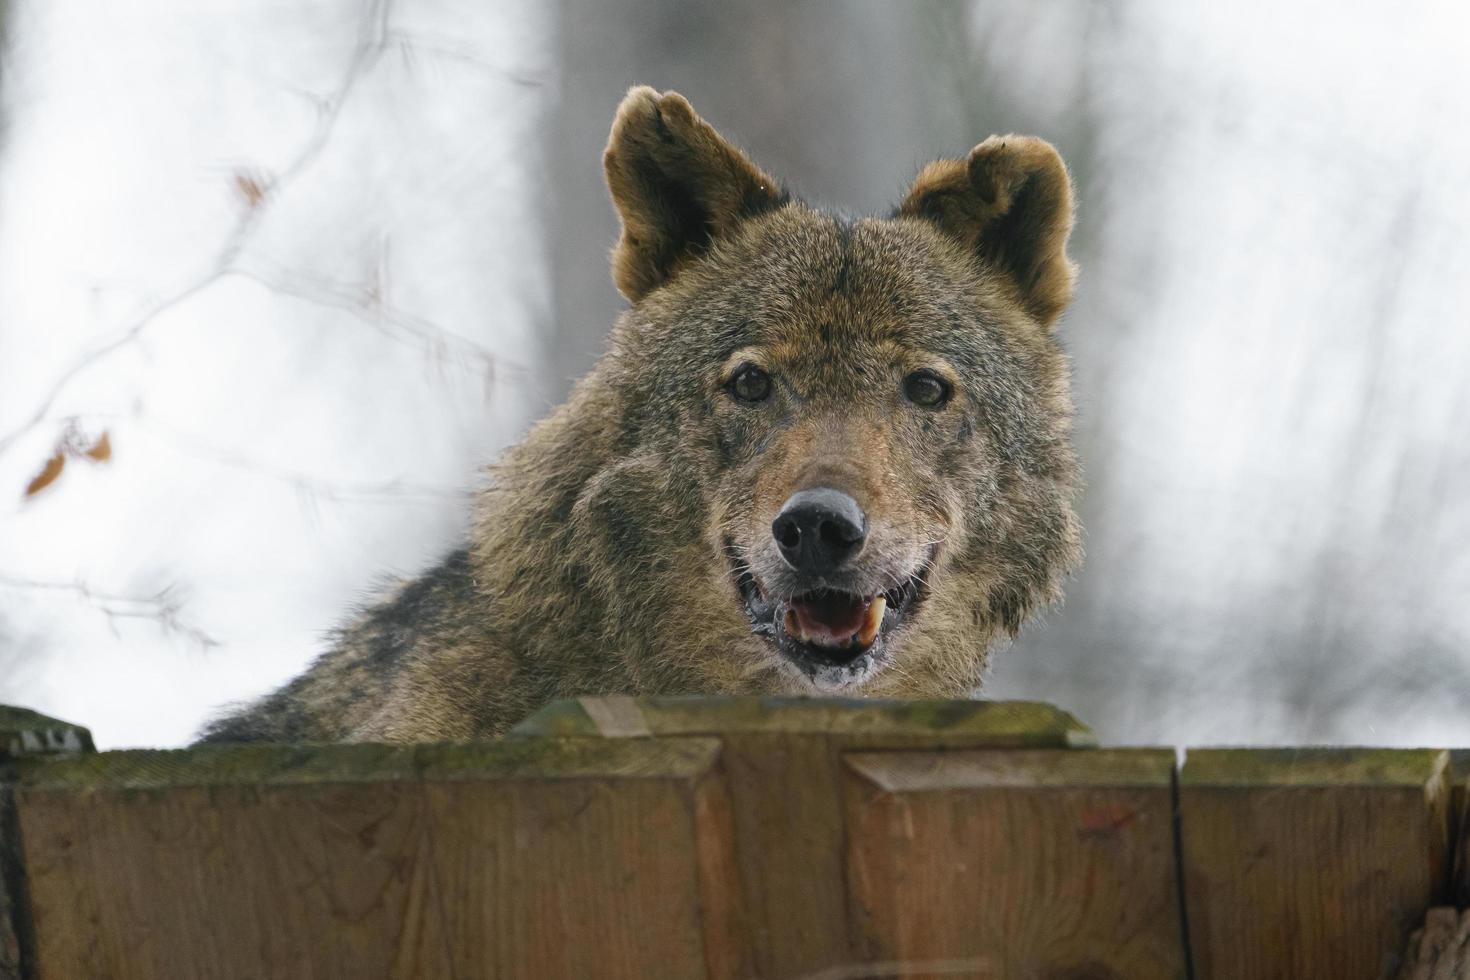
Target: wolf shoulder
[{"x": 388, "y": 656}]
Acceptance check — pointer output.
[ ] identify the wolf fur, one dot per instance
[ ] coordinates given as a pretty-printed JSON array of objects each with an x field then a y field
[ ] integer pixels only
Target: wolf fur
[{"x": 622, "y": 546}]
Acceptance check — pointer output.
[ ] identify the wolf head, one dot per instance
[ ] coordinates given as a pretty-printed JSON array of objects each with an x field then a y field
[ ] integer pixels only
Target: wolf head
[{"x": 838, "y": 451}]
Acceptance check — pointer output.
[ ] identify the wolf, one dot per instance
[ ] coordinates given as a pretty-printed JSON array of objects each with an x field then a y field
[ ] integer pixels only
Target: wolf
[{"x": 820, "y": 456}]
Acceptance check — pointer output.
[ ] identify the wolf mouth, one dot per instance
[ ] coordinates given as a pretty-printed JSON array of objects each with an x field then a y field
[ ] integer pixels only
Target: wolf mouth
[{"x": 833, "y": 637}]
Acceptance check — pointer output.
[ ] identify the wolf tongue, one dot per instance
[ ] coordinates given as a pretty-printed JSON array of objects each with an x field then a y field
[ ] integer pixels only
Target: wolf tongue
[{"x": 831, "y": 617}]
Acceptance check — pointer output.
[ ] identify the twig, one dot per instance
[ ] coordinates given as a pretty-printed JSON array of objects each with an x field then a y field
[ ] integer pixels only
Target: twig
[
  {"x": 315, "y": 487},
  {"x": 372, "y": 39},
  {"x": 410, "y": 44},
  {"x": 165, "y": 606},
  {"x": 395, "y": 324}
]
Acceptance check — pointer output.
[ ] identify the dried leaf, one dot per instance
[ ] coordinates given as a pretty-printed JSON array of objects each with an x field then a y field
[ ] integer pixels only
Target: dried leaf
[
  {"x": 250, "y": 188},
  {"x": 101, "y": 450},
  {"x": 48, "y": 474}
]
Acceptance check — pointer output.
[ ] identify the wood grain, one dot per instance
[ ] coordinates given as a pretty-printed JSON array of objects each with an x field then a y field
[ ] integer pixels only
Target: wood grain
[
  {"x": 735, "y": 837},
  {"x": 1440, "y": 950},
  {"x": 15, "y": 925},
  {"x": 1303, "y": 863},
  {"x": 1460, "y": 825},
  {"x": 23, "y": 734},
  {"x": 1015, "y": 724},
  {"x": 606, "y": 871},
  {"x": 782, "y": 758},
  {"x": 540, "y": 860},
  {"x": 1014, "y": 864}
]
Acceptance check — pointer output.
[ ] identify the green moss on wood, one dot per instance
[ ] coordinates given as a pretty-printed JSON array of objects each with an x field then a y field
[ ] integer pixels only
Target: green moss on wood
[
  {"x": 1314, "y": 767},
  {"x": 570, "y": 758},
  {"x": 965, "y": 769},
  {"x": 220, "y": 764},
  {"x": 557, "y": 718},
  {"x": 327, "y": 765},
  {"x": 1012, "y": 722},
  {"x": 27, "y": 732}
]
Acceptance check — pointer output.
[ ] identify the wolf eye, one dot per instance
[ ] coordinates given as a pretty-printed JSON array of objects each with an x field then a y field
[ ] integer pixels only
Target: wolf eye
[
  {"x": 750, "y": 384},
  {"x": 926, "y": 388}
]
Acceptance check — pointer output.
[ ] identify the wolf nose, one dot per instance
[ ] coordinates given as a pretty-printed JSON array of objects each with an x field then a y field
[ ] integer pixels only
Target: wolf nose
[{"x": 818, "y": 530}]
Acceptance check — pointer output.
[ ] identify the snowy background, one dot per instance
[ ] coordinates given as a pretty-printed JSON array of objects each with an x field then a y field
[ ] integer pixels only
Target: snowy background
[{"x": 309, "y": 266}]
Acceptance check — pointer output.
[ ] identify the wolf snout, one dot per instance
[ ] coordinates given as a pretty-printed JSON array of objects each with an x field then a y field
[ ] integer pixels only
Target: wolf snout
[{"x": 819, "y": 530}]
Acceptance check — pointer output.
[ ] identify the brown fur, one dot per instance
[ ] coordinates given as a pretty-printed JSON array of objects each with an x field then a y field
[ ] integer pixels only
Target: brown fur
[{"x": 606, "y": 552}]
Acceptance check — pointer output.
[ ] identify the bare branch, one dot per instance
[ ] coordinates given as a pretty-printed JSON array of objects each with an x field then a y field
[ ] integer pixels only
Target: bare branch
[
  {"x": 410, "y": 45},
  {"x": 164, "y": 606},
  {"x": 372, "y": 39},
  {"x": 307, "y": 484},
  {"x": 368, "y": 303},
  {"x": 121, "y": 340}
]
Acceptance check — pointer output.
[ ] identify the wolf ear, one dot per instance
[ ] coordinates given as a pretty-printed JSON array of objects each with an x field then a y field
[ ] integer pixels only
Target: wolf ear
[
  {"x": 677, "y": 186},
  {"x": 1010, "y": 204}
]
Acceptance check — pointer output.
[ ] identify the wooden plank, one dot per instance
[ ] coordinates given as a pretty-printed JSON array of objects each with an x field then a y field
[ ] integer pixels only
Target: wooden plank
[
  {"x": 1460, "y": 820},
  {"x": 26, "y": 732},
  {"x": 226, "y": 861},
  {"x": 1310, "y": 862},
  {"x": 16, "y": 937},
  {"x": 620, "y": 867},
  {"x": 542, "y": 858},
  {"x": 783, "y": 761},
  {"x": 1042, "y": 863},
  {"x": 788, "y": 833},
  {"x": 1017, "y": 724},
  {"x": 1441, "y": 949},
  {"x": 23, "y": 733}
]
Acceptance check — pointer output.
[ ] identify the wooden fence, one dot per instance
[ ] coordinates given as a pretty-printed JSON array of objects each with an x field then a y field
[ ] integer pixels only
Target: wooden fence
[{"x": 670, "y": 837}]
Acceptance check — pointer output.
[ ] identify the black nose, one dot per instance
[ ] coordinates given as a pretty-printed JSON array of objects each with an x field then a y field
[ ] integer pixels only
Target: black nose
[{"x": 818, "y": 530}]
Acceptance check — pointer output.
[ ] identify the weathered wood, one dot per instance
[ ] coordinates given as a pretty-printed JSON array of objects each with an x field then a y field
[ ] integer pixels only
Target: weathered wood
[
  {"x": 619, "y": 873},
  {"x": 1310, "y": 862},
  {"x": 26, "y": 732},
  {"x": 501, "y": 860},
  {"x": 1441, "y": 949},
  {"x": 1460, "y": 811},
  {"x": 15, "y": 927},
  {"x": 734, "y": 837},
  {"x": 783, "y": 760},
  {"x": 1014, "y": 863},
  {"x": 1014, "y": 724},
  {"x": 23, "y": 733}
]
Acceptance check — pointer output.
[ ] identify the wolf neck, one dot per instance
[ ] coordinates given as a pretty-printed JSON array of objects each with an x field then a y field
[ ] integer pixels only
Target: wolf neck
[{"x": 565, "y": 553}]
